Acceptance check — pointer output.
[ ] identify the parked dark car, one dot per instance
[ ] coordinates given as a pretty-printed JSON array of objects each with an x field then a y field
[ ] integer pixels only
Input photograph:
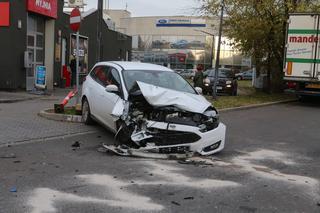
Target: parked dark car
[
  {"x": 247, "y": 75},
  {"x": 227, "y": 82}
]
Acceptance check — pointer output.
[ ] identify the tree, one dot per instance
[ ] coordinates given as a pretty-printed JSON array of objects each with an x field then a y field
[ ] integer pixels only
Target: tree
[{"x": 258, "y": 28}]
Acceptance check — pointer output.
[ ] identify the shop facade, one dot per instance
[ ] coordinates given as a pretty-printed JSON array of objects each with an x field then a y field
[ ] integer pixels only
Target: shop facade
[{"x": 38, "y": 35}]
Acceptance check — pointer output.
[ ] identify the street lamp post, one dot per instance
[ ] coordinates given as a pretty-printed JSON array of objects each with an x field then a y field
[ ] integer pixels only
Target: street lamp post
[{"x": 214, "y": 92}]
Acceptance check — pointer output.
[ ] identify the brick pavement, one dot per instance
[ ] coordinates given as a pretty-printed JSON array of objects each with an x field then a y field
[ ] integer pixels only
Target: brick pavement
[{"x": 19, "y": 121}]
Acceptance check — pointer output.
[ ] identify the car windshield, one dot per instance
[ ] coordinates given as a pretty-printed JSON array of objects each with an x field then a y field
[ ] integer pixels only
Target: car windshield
[
  {"x": 165, "y": 79},
  {"x": 223, "y": 73}
]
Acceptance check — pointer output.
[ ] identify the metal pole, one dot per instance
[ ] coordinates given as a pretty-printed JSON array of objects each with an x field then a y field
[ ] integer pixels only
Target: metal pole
[
  {"x": 214, "y": 92},
  {"x": 77, "y": 68},
  {"x": 99, "y": 26},
  {"x": 212, "y": 52}
]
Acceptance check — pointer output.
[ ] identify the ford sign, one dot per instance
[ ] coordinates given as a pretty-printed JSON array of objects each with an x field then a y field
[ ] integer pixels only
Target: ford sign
[{"x": 162, "y": 21}]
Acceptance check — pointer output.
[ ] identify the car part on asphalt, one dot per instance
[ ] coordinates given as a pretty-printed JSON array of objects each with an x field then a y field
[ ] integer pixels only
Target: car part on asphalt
[{"x": 146, "y": 152}]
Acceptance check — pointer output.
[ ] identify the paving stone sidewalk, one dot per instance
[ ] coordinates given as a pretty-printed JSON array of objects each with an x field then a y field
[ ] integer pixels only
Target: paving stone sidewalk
[{"x": 19, "y": 121}]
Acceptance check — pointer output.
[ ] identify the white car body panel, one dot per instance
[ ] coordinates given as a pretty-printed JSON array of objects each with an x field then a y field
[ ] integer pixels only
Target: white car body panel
[{"x": 159, "y": 97}]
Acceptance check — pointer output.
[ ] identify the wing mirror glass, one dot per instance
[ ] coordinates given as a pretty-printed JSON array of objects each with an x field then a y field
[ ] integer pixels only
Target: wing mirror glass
[
  {"x": 112, "y": 88},
  {"x": 199, "y": 90}
]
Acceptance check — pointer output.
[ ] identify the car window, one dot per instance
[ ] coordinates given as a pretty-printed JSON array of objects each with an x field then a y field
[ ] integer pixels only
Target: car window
[
  {"x": 165, "y": 79},
  {"x": 114, "y": 77},
  {"x": 100, "y": 75}
]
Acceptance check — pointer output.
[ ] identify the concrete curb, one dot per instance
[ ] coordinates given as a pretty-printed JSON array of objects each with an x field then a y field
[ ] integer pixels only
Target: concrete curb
[
  {"x": 256, "y": 105},
  {"x": 8, "y": 101},
  {"x": 49, "y": 114}
]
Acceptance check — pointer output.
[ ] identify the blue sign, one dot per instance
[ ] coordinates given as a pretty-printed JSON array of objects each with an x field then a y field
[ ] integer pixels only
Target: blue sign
[
  {"x": 162, "y": 21},
  {"x": 41, "y": 76},
  {"x": 181, "y": 22}
]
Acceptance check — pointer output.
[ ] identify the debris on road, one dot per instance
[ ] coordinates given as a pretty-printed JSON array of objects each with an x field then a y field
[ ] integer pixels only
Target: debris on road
[
  {"x": 76, "y": 144},
  {"x": 11, "y": 155},
  {"x": 188, "y": 198},
  {"x": 145, "y": 152},
  {"x": 175, "y": 203},
  {"x": 13, "y": 189}
]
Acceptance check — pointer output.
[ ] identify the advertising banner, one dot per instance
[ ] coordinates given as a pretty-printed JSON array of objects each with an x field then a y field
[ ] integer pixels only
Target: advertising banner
[
  {"x": 44, "y": 7},
  {"x": 83, "y": 52},
  {"x": 4, "y": 14},
  {"x": 41, "y": 77}
]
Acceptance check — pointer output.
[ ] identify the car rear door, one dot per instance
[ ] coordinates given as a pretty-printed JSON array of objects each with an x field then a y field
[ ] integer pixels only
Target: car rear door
[{"x": 91, "y": 90}]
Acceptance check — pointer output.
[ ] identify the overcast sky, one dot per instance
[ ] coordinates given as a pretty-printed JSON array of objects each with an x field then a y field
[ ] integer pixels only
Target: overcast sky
[{"x": 153, "y": 7}]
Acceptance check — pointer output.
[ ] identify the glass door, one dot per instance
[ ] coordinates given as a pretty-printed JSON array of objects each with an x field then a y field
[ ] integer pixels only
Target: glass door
[{"x": 35, "y": 45}]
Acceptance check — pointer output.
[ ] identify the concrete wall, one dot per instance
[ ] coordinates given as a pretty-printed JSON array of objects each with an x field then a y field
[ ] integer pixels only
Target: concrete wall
[{"x": 12, "y": 47}]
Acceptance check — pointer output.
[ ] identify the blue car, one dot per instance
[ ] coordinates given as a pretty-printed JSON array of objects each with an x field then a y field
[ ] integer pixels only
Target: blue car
[
  {"x": 247, "y": 75},
  {"x": 181, "y": 44}
]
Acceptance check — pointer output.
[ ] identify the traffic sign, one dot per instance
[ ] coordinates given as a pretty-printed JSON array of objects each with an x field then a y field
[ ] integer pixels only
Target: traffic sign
[{"x": 75, "y": 19}]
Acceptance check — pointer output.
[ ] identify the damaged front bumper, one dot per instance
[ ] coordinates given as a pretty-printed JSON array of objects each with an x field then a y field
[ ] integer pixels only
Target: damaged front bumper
[{"x": 204, "y": 143}]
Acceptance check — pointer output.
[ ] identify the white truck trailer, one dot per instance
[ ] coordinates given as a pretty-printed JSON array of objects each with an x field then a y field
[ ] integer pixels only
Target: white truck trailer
[{"x": 302, "y": 55}]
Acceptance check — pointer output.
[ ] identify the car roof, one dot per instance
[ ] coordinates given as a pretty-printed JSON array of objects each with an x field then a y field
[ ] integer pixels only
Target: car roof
[{"x": 128, "y": 65}]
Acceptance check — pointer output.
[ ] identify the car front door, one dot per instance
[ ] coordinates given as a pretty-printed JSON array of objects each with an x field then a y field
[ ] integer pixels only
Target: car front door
[{"x": 108, "y": 100}]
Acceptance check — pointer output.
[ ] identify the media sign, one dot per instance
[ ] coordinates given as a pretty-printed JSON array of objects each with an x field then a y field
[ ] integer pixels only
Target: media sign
[
  {"x": 181, "y": 22},
  {"x": 44, "y": 7},
  {"x": 41, "y": 77}
]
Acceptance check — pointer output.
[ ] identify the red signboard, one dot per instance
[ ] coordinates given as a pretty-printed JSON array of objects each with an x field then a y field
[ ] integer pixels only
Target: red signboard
[
  {"x": 44, "y": 7},
  {"x": 4, "y": 14}
]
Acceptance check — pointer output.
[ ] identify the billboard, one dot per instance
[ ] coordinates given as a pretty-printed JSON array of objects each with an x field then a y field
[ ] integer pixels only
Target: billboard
[
  {"x": 83, "y": 52},
  {"x": 41, "y": 77}
]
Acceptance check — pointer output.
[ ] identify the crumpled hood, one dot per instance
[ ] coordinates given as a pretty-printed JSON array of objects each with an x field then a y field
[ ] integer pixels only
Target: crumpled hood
[{"x": 160, "y": 97}]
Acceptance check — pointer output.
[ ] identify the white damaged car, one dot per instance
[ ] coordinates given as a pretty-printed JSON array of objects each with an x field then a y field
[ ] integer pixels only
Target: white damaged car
[{"x": 151, "y": 107}]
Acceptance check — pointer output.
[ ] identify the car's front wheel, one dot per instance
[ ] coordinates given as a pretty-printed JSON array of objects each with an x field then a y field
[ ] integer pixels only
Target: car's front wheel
[{"x": 86, "y": 113}]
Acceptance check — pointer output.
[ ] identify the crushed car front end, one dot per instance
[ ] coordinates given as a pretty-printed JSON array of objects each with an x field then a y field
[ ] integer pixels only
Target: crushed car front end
[{"x": 167, "y": 121}]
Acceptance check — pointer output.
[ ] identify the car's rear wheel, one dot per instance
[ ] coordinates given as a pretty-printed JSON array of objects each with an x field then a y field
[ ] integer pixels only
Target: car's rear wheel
[
  {"x": 239, "y": 78},
  {"x": 86, "y": 113}
]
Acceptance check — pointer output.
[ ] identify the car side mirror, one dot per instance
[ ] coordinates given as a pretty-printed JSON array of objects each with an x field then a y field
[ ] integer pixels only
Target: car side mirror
[
  {"x": 199, "y": 90},
  {"x": 112, "y": 88}
]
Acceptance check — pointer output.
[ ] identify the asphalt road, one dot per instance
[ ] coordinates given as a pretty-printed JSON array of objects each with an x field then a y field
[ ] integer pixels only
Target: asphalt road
[{"x": 270, "y": 164}]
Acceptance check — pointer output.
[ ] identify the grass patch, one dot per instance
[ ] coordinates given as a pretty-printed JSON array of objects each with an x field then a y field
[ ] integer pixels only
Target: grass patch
[
  {"x": 247, "y": 96},
  {"x": 70, "y": 111}
]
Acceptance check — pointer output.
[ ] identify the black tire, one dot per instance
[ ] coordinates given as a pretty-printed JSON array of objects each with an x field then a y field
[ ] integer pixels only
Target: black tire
[
  {"x": 239, "y": 78},
  {"x": 86, "y": 114}
]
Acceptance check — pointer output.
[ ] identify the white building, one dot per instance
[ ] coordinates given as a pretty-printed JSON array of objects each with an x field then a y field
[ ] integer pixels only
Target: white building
[{"x": 174, "y": 41}]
